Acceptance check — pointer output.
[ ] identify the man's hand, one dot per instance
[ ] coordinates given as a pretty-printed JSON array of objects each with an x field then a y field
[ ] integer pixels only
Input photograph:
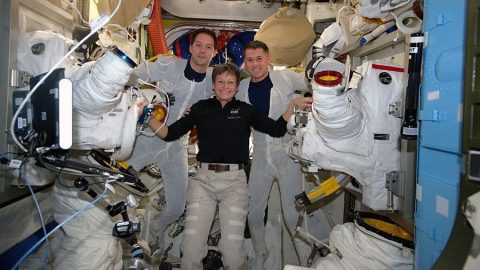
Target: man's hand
[
  {"x": 186, "y": 112},
  {"x": 303, "y": 102},
  {"x": 300, "y": 102}
]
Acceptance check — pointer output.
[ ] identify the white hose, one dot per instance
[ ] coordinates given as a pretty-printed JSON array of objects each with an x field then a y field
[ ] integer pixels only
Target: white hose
[{"x": 39, "y": 210}]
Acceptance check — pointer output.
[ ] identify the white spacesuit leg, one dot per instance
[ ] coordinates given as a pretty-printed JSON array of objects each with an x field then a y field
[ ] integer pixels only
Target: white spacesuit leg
[
  {"x": 290, "y": 180},
  {"x": 173, "y": 166},
  {"x": 87, "y": 241},
  {"x": 259, "y": 185}
]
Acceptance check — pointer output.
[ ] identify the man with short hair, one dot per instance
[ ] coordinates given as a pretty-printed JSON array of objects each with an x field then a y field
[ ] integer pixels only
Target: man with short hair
[
  {"x": 188, "y": 82},
  {"x": 269, "y": 92}
]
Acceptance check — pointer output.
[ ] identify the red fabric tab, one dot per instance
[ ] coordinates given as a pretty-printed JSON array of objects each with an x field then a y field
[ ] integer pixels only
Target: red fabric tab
[{"x": 389, "y": 68}]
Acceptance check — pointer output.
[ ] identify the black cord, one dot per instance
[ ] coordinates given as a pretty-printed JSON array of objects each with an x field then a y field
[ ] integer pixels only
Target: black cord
[
  {"x": 89, "y": 184},
  {"x": 62, "y": 166}
]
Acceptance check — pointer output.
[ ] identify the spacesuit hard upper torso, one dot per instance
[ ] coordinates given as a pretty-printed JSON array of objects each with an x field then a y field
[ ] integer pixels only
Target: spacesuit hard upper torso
[
  {"x": 285, "y": 82},
  {"x": 170, "y": 72}
]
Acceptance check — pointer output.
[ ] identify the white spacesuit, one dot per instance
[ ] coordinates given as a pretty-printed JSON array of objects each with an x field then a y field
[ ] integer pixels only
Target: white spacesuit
[
  {"x": 356, "y": 131},
  {"x": 103, "y": 117},
  {"x": 170, "y": 157},
  {"x": 101, "y": 113},
  {"x": 86, "y": 242}
]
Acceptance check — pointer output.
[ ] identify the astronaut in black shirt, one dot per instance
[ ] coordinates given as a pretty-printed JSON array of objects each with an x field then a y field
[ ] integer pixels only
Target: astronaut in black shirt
[{"x": 223, "y": 125}]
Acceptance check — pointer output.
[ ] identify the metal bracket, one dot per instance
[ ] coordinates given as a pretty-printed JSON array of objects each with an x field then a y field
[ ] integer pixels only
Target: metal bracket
[
  {"x": 19, "y": 78},
  {"x": 395, "y": 109},
  {"x": 394, "y": 183},
  {"x": 301, "y": 118},
  {"x": 473, "y": 165}
]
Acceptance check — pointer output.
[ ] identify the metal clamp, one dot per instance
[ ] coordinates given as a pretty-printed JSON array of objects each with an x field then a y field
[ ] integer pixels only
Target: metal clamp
[
  {"x": 395, "y": 109},
  {"x": 393, "y": 183},
  {"x": 19, "y": 78},
  {"x": 473, "y": 164},
  {"x": 301, "y": 118}
]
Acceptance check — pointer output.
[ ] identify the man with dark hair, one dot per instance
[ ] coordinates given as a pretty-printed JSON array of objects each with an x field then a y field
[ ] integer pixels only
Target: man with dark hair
[
  {"x": 270, "y": 92},
  {"x": 223, "y": 125},
  {"x": 188, "y": 81},
  {"x": 206, "y": 32}
]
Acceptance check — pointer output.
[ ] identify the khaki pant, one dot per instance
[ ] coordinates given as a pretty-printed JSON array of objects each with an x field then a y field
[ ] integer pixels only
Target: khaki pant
[{"x": 206, "y": 190}]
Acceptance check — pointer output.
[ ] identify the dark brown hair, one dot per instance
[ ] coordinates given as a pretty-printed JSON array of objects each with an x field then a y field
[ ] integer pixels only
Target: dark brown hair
[
  {"x": 204, "y": 31},
  {"x": 255, "y": 44}
]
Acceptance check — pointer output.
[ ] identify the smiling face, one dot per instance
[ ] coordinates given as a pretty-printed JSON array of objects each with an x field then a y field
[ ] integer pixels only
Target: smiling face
[
  {"x": 202, "y": 51},
  {"x": 256, "y": 62},
  {"x": 225, "y": 87}
]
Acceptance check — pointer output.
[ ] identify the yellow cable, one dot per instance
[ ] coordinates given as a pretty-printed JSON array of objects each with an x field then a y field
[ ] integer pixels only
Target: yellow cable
[
  {"x": 326, "y": 188},
  {"x": 151, "y": 59},
  {"x": 297, "y": 69},
  {"x": 122, "y": 164}
]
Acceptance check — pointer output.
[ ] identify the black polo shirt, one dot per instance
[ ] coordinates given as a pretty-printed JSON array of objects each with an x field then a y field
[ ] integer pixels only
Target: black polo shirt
[{"x": 223, "y": 133}]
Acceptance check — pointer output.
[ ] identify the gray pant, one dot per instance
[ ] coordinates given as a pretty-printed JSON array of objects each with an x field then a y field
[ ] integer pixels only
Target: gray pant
[
  {"x": 206, "y": 190},
  {"x": 173, "y": 165},
  {"x": 171, "y": 159},
  {"x": 270, "y": 163}
]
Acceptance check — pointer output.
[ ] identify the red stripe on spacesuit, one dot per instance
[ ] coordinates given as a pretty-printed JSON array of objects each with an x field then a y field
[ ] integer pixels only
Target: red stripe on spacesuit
[
  {"x": 389, "y": 68},
  {"x": 177, "y": 48}
]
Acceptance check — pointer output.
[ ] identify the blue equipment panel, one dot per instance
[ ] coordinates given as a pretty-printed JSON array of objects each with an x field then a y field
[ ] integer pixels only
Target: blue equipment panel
[{"x": 441, "y": 105}]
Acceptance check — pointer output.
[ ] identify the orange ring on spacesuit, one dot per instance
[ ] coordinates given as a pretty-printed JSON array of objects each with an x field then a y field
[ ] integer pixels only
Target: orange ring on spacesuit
[{"x": 328, "y": 78}]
